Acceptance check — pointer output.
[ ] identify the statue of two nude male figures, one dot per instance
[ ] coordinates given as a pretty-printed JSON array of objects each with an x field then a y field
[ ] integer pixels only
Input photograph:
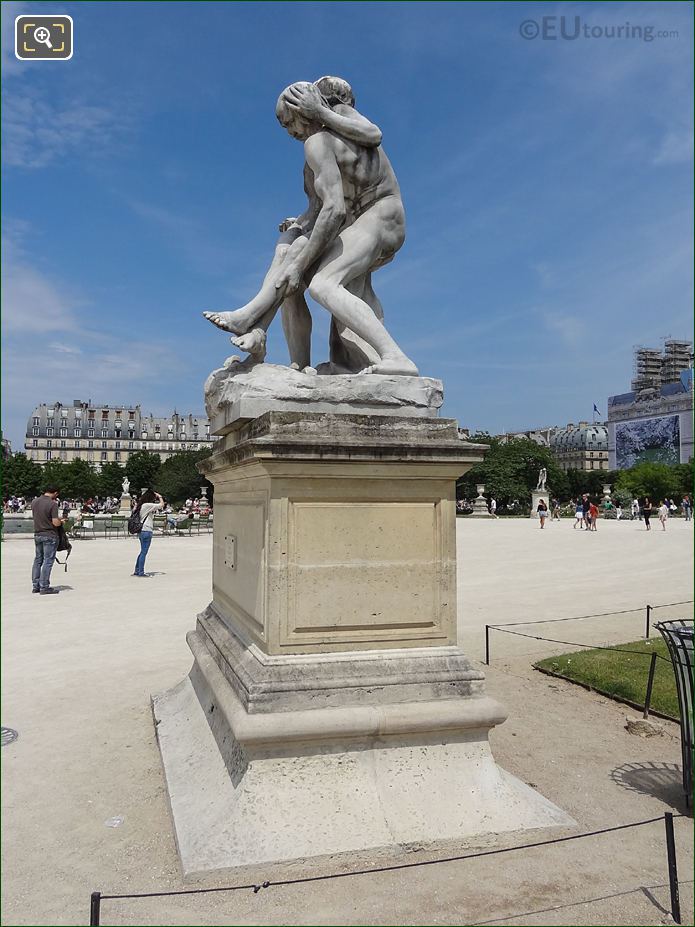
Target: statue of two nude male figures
[{"x": 354, "y": 223}]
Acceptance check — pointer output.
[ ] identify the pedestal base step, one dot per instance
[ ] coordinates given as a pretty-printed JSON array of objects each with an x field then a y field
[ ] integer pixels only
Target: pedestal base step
[{"x": 332, "y": 805}]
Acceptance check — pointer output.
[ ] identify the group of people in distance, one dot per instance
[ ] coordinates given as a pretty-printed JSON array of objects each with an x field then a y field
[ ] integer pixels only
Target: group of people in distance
[{"x": 587, "y": 512}]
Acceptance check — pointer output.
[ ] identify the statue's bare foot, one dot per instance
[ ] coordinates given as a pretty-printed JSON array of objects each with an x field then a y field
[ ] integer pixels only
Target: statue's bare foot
[
  {"x": 308, "y": 370},
  {"x": 398, "y": 365},
  {"x": 235, "y": 322},
  {"x": 238, "y": 365},
  {"x": 254, "y": 343}
]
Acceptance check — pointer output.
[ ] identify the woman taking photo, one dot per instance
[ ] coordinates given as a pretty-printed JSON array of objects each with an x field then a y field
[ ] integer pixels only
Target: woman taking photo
[{"x": 148, "y": 503}]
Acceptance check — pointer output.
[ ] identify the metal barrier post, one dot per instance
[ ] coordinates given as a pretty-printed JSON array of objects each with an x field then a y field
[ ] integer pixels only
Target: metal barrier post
[
  {"x": 95, "y": 909},
  {"x": 650, "y": 683},
  {"x": 649, "y": 618},
  {"x": 672, "y": 868},
  {"x": 487, "y": 645}
]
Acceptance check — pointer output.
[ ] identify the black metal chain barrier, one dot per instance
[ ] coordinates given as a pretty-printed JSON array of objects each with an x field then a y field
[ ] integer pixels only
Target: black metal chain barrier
[
  {"x": 668, "y": 818},
  {"x": 552, "y": 640},
  {"x": 626, "y": 611}
]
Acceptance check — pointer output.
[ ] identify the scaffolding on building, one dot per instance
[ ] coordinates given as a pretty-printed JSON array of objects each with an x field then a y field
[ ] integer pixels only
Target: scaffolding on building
[
  {"x": 676, "y": 358},
  {"x": 646, "y": 368}
]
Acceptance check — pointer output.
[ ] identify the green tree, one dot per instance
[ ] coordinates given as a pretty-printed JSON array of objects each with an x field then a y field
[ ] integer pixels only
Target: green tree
[
  {"x": 20, "y": 477},
  {"x": 510, "y": 471},
  {"x": 179, "y": 478},
  {"x": 52, "y": 475},
  {"x": 656, "y": 480},
  {"x": 685, "y": 474},
  {"x": 589, "y": 481},
  {"x": 142, "y": 469},
  {"x": 111, "y": 479},
  {"x": 78, "y": 480}
]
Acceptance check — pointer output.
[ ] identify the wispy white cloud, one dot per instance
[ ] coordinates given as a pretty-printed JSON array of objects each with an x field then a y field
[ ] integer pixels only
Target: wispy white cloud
[
  {"x": 81, "y": 360},
  {"x": 676, "y": 148},
  {"x": 569, "y": 328},
  {"x": 31, "y": 301},
  {"x": 35, "y": 134},
  {"x": 189, "y": 236}
]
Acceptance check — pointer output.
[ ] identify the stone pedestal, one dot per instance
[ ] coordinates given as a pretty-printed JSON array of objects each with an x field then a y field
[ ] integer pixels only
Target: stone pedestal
[
  {"x": 125, "y": 506},
  {"x": 536, "y": 496},
  {"x": 480, "y": 509},
  {"x": 329, "y": 714}
]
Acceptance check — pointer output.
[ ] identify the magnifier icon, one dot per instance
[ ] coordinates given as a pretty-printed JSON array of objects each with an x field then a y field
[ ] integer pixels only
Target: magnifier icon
[{"x": 43, "y": 35}]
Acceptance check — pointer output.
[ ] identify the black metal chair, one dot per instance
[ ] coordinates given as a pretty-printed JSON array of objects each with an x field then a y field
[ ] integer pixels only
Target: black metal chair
[
  {"x": 678, "y": 635},
  {"x": 115, "y": 523}
]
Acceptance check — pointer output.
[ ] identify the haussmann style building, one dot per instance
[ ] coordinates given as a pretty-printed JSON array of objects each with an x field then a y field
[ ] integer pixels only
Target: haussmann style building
[
  {"x": 105, "y": 433},
  {"x": 580, "y": 447},
  {"x": 575, "y": 447}
]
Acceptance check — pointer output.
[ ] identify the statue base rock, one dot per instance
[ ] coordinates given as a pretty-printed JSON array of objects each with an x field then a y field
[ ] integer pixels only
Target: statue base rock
[{"x": 236, "y": 394}]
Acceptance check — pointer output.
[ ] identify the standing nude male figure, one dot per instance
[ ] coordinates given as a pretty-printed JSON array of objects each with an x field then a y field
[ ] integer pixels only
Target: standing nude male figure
[{"x": 354, "y": 224}]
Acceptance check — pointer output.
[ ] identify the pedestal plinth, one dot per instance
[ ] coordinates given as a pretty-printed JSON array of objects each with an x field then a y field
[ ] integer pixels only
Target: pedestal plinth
[
  {"x": 480, "y": 509},
  {"x": 329, "y": 713},
  {"x": 125, "y": 507}
]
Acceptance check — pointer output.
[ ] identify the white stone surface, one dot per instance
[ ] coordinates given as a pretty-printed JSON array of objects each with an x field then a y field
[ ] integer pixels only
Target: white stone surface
[
  {"x": 232, "y": 395},
  {"x": 380, "y": 794}
]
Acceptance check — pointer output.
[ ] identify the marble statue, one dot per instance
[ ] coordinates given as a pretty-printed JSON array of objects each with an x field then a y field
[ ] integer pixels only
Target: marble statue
[
  {"x": 354, "y": 223},
  {"x": 542, "y": 477},
  {"x": 126, "y": 485}
]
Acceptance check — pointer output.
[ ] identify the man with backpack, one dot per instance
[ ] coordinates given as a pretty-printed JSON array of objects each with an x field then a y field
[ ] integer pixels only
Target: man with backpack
[{"x": 47, "y": 521}]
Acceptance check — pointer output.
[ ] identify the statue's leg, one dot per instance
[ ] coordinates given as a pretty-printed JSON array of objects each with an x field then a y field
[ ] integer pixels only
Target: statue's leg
[
  {"x": 348, "y": 352},
  {"x": 357, "y": 249},
  {"x": 269, "y": 298},
  {"x": 296, "y": 324}
]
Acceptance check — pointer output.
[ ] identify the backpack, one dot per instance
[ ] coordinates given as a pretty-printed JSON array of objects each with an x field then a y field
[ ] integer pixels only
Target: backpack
[
  {"x": 63, "y": 544},
  {"x": 135, "y": 522}
]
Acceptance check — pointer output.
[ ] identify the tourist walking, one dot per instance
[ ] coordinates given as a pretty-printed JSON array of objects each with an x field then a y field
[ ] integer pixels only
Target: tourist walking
[
  {"x": 542, "y": 509},
  {"x": 663, "y": 513},
  {"x": 593, "y": 515},
  {"x": 687, "y": 507},
  {"x": 44, "y": 510},
  {"x": 493, "y": 507},
  {"x": 634, "y": 509},
  {"x": 646, "y": 513},
  {"x": 556, "y": 510},
  {"x": 586, "y": 505},
  {"x": 148, "y": 503},
  {"x": 578, "y": 516}
]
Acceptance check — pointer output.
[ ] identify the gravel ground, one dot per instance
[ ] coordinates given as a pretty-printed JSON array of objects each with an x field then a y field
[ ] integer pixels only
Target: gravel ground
[{"x": 78, "y": 670}]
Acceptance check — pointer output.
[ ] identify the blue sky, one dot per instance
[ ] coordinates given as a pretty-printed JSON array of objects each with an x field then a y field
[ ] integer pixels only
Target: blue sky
[{"x": 547, "y": 187}]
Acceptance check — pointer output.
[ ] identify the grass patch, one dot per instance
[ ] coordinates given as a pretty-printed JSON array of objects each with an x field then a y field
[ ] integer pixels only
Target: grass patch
[{"x": 621, "y": 675}]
